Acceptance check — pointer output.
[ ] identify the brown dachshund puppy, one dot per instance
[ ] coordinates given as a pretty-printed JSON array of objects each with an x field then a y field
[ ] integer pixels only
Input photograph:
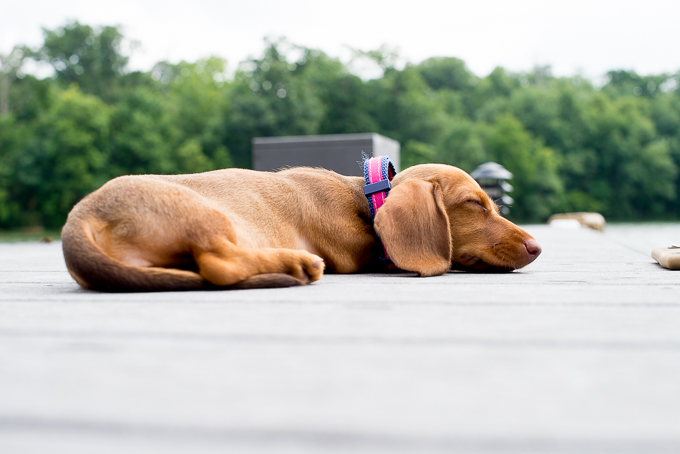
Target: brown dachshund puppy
[{"x": 239, "y": 228}]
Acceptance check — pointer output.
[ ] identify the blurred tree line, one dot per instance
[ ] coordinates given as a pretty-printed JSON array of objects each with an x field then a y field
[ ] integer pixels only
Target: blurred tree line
[{"x": 572, "y": 146}]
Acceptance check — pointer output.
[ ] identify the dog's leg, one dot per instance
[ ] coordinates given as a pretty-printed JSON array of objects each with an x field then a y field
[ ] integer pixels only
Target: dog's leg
[
  {"x": 227, "y": 264},
  {"x": 207, "y": 235},
  {"x": 221, "y": 261}
]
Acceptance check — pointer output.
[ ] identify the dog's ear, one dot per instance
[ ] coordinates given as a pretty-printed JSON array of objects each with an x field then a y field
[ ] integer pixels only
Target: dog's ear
[{"x": 414, "y": 228}]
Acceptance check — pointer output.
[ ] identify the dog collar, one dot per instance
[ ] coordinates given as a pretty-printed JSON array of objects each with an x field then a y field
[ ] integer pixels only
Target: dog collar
[{"x": 378, "y": 172}]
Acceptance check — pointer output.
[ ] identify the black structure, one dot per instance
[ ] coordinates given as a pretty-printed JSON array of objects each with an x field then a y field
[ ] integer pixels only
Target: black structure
[
  {"x": 491, "y": 177},
  {"x": 338, "y": 152}
]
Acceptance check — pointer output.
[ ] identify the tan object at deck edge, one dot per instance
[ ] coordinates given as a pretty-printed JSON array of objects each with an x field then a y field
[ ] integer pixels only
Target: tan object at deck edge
[
  {"x": 668, "y": 257},
  {"x": 593, "y": 220}
]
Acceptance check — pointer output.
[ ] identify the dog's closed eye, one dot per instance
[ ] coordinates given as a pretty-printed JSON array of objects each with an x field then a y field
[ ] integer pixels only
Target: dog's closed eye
[{"x": 476, "y": 203}]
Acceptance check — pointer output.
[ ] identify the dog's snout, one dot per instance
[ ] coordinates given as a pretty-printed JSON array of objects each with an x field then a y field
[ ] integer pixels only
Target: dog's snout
[{"x": 533, "y": 248}]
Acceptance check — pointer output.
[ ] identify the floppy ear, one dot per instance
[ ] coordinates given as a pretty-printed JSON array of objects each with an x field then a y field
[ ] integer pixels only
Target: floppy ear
[{"x": 414, "y": 228}]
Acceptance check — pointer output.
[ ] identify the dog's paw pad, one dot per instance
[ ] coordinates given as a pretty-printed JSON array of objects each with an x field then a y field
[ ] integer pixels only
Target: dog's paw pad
[{"x": 312, "y": 266}]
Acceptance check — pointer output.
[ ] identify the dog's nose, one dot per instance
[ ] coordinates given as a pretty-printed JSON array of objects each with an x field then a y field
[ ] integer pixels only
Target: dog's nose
[{"x": 533, "y": 248}]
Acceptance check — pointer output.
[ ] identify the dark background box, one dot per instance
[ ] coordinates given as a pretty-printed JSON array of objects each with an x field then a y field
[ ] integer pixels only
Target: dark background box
[{"x": 338, "y": 152}]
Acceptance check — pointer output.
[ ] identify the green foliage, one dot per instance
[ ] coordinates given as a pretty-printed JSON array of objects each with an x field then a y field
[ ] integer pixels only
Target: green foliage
[
  {"x": 10, "y": 149},
  {"x": 570, "y": 145},
  {"x": 534, "y": 167},
  {"x": 142, "y": 134},
  {"x": 275, "y": 96},
  {"x": 71, "y": 146},
  {"x": 451, "y": 73},
  {"x": 417, "y": 153},
  {"x": 85, "y": 56}
]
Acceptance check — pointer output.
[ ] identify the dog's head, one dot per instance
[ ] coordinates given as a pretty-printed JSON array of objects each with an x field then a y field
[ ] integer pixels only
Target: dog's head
[{"x": 438, "y": 218}]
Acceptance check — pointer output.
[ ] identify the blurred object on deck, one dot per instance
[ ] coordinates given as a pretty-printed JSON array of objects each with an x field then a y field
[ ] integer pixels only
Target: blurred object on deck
[
  {"x": 668, "y": 257},
  {"x": 593, "y": 220},
  {"x": 491, "y": 177}
]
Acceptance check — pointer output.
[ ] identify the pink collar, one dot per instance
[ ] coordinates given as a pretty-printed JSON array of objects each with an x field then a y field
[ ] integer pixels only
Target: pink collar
[{"x": 378, "y": 172}]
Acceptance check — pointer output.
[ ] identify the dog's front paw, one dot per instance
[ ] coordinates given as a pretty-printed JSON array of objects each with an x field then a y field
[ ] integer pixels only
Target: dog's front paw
[
  {"x": 315, "y": 271},
  {"x": 306, "y": 267}
]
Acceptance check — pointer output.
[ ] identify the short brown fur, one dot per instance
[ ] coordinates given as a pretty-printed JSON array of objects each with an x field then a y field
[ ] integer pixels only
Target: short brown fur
[{"x": 239, "y": 228}]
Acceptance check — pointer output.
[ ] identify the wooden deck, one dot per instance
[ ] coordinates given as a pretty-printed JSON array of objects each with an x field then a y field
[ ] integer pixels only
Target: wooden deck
[{"x": 578, "y": 353}]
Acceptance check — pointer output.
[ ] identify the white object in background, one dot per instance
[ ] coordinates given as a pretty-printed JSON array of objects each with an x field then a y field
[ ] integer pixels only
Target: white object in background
[{"x": 571, "y": 224}]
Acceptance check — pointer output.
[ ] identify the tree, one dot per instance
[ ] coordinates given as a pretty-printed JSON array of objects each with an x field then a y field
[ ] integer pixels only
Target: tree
[
  {"x": 571, "y": 145},
  {"x": 271, "y": 97},
  {"x": 10, "y": 68},
  {"x": 141, "y": 134},
  {"x": 462, "y": 145},
  {"x": 629, "y": 83},
  {"x": 196, "y": 100},
  {"x": 68, "y": 158},
  {"x": 537, "y": 187},
  {"x": 90, "y": 58}
]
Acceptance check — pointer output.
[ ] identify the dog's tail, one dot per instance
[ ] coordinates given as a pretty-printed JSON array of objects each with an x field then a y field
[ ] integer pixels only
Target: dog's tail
[{"x": 93, "y": 269}]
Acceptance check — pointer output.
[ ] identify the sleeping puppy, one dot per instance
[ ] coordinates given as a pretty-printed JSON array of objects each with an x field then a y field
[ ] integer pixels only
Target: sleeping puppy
[{"x": 238, "y": 228}]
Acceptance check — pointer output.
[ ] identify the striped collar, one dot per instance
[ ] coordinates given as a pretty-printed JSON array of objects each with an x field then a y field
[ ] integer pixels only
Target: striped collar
[{"x": 378, "y": 172}]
